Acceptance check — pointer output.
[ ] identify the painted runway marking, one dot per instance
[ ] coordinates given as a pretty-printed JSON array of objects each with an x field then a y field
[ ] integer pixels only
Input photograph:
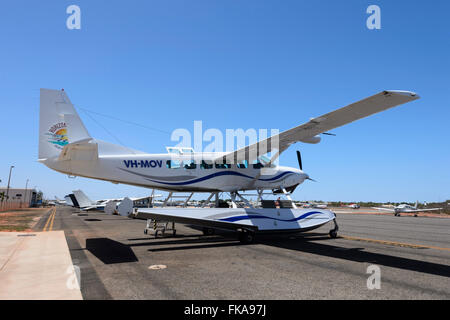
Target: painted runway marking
[
  {"x": 157, "y": 267},
  {"x": 53, "y": 219},
  {"x": 50, "y": 220},
  {"x": 393, "y": 243}
]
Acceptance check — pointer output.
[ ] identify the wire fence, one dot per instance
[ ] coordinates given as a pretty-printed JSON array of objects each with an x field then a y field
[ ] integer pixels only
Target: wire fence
[{"x": 7, "y": 206}]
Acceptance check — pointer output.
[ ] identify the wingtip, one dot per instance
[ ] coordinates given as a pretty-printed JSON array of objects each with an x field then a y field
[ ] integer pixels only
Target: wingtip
[{"x": 411, "y": 94}]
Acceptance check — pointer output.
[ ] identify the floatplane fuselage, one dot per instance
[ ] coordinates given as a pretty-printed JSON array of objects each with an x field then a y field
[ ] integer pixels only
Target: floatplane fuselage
[{"x": 193, "y": 172}]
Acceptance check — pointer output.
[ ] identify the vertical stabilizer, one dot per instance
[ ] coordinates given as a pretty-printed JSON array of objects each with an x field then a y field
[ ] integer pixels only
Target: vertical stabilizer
[
  {"x": 82, "y": 199},
  {"x": 59, "y": 123}
]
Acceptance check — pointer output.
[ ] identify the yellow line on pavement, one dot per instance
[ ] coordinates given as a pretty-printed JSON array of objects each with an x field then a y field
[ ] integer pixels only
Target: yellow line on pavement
[
  {"x": 393, "y": 243},
  {"x": 48, "y": 220},
  {"x": 52, "y": 215},
  {"x": 53, "y": 219}
]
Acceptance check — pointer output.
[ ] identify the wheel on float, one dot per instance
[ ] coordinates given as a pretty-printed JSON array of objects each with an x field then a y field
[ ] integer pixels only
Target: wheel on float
[
  {"x": 333, "y": 234},
  {"x": 246, "y": 237},
  {"x": 209, "y": 231}
]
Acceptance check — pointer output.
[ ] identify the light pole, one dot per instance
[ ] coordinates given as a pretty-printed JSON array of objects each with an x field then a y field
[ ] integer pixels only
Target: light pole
[
  {"x": 35, "y": 199},
  {"x": 9, "y": 180},
  {"x": 26, "y": 188}
]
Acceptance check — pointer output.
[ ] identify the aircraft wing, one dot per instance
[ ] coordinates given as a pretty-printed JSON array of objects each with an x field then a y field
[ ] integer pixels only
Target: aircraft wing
[
  {"x": 384, "y": 209},
  {"x": 308, "y": 131},
  {"x": 422, "y": 210},
  {"x": 91, "y": 207},
  {"x": 146, "y": 197},
  {"x": 203, "y": 218}
]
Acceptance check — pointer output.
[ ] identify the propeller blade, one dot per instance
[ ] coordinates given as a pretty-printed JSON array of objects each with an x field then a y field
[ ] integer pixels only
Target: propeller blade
[
  {"x": 299, "y": 158},
  {"x": 329, "y": 134}
]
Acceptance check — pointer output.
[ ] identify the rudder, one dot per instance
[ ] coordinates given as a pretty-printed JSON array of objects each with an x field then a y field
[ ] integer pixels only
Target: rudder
[
  {"x": 59, "y": 123},
  {"x": 82, "y": 199}
]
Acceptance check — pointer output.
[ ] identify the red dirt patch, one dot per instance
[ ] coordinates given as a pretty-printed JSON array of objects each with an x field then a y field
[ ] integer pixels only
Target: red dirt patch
[
  {"x": 404, "y": 214},
  {"x": 20, "y": 220}
]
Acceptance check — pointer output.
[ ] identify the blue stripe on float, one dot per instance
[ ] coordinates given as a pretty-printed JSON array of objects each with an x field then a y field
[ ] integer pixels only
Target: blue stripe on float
[
  {"x": 254, "y": 216},
  {"x": 218, "y": 174}
]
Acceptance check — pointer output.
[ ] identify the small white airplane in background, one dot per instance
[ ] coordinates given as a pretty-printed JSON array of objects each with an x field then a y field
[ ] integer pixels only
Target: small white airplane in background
[
  {"x": 57, "y": 201},
  {"x": 406, "y": 208},
  {"x": 354, "y": 206},
  {"x": 315, "y": 205},
  {"x": 66, "y": 146},
  {"x": 86, "y": 204}
]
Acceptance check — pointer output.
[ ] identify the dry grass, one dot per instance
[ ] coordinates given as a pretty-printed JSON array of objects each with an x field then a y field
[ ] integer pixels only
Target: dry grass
[{"x": 20, "y": 220}]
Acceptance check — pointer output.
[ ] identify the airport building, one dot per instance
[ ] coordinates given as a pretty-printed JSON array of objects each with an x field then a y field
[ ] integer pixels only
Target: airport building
[{"x": 19, "y": 196}]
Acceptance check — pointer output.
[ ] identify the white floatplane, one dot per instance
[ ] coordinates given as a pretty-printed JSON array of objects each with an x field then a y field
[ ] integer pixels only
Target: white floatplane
[
  {"x": 86, "y": 204},
  {"x": 66, "y": 146}
]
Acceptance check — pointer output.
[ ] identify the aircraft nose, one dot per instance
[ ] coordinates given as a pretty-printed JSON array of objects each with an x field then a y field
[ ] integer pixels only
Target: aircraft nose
[
  {"x": 300, "y": 176},
  {"x": 304, "y": 176}
]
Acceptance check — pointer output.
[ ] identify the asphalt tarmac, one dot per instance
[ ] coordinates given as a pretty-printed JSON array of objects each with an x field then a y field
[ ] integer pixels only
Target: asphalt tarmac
[{"x": 374, "y": 257}]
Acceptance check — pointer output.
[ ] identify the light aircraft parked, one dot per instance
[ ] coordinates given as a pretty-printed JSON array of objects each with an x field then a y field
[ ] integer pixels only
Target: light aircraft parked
[
  {"x": 66, "y": 146},
  {"x": 315, "y": 205},
  {"x": 87, "y": 204},
  {"x": 406, "y": 208},
  {"x": 57, "y": 201}
]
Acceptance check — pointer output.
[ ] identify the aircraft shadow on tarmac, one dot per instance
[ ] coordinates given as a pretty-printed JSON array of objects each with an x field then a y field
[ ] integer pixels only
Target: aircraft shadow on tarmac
[
  {"x": 359, "y": 255},
  {"x": 110, "y": 251}
]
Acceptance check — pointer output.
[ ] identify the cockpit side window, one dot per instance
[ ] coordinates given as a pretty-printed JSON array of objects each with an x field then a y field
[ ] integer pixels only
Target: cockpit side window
[
  {"x": 242, "y": 164},
  {"x": 258, "y": 165},
  {"x": 173, "y": 164}
]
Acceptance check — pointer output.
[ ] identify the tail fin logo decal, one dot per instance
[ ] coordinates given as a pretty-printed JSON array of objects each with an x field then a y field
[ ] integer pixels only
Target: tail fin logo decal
[{"x": 57, "y": 135}]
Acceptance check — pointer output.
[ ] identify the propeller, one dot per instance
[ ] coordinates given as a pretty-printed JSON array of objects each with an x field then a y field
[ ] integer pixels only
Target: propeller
[
  {"x": 329, "y": 134},
  {"x": 291, "y": 189},
  {"x": 299, "y": 158}
]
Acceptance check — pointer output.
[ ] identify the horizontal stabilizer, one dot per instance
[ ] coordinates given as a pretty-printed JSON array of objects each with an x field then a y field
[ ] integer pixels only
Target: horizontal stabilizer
[{"x": 84, "y": 150}]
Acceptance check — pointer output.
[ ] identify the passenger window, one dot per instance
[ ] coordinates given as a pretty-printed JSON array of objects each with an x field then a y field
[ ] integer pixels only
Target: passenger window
[
  {"x": 206, "y": 165},
  {"x": 189, "y": 164},
  {"x": 223, "y": 166},
  {"x": 173, "y": 164}
]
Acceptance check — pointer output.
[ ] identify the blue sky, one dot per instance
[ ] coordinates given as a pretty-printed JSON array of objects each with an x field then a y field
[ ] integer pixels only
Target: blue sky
[{"x": 237, "y": 64}]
